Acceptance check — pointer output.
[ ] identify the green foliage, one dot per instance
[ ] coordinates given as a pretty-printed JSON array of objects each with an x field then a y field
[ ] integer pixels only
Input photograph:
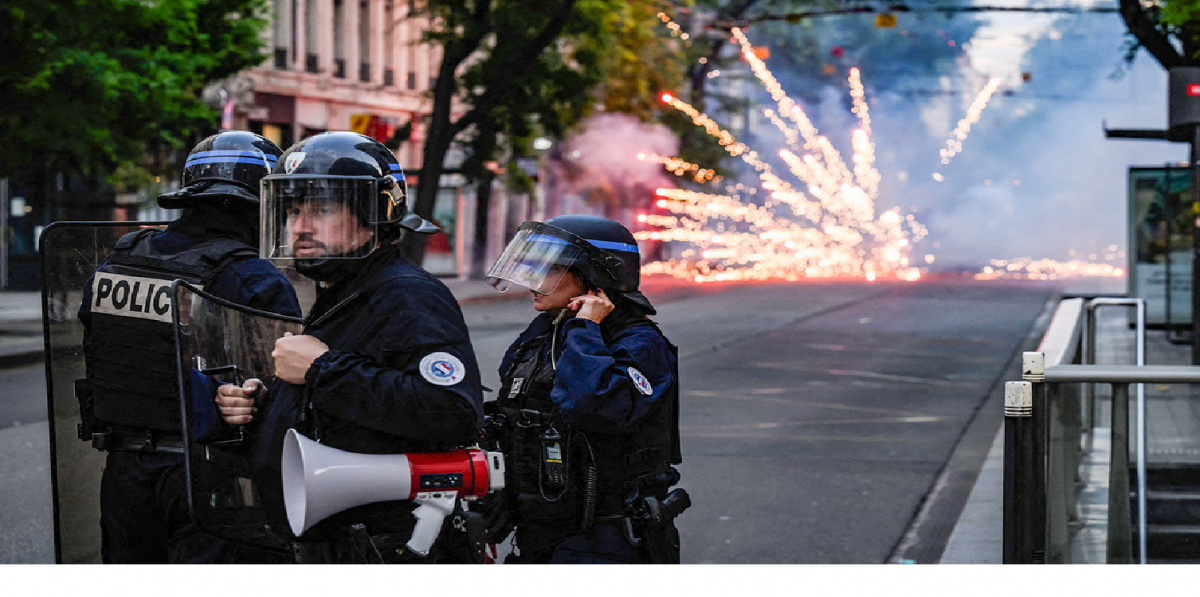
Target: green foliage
[
  {"x": 89, "y": 85},
  {"x": 642, "y": 60},
  {"x": 1181, "y": 13}
]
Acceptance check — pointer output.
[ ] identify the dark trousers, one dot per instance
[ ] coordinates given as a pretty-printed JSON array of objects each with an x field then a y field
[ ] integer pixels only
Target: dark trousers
[{"x": 144, "y": 517}]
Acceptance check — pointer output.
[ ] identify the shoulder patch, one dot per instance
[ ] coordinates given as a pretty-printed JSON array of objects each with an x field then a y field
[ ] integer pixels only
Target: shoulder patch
[
  {"x": 442, "y": 369},
  {"x": 640, "y": 382}
]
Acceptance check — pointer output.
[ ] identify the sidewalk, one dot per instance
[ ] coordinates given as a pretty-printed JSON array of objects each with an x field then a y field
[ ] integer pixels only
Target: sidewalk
[
  {"x": 20, "y": 328},
  {"x": 21, "y": 317}
]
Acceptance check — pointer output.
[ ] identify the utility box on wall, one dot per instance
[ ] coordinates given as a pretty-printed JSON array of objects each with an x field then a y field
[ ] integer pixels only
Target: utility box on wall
[{"x": 1183, "y": 102}]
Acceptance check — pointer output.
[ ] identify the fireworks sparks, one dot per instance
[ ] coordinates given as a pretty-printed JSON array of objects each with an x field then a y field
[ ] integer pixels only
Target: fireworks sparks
[
  {"x": 681, "y": 167},
  {"x": 834, "y": 228},
  {"x": 954, "y": 144},
  {"x": 840, "y": 234},
  {"x": 1025, "y": 268}
]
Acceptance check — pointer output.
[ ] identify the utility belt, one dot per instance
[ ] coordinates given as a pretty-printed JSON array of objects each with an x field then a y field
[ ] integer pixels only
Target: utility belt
[
  {"x": 355, "y": 544},
  {"x": 107, "y": 439},
  {"x": 142, "y": 440}
]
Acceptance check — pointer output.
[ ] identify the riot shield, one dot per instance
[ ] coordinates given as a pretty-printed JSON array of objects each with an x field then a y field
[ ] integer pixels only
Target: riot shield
[
  {"x": 69, "y": 253},
  {"x": 217, "y": 342}
]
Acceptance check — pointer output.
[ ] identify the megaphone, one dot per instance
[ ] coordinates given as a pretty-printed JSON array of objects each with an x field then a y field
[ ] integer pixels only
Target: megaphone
[{"x": 320, "y": 481}]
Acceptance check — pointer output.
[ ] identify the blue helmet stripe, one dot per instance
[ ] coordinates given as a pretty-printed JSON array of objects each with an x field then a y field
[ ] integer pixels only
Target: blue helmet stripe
[
  {"x": 232, "y": 152},
  {"x": 226, "y": 160},
  {"x": 395, "y": 167},
  {"x": 605, "y": 244}
]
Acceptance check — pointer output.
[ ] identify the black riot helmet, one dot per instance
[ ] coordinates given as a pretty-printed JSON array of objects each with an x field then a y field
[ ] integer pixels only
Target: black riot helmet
[
  {"x": 321, "y": 175},
  {"x": 227, "y": 164},
  {"x": 602, "y": 252}
]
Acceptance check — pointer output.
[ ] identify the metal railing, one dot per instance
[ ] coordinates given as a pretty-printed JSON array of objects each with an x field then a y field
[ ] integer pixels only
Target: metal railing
[{"x": 1048, "y": 416}]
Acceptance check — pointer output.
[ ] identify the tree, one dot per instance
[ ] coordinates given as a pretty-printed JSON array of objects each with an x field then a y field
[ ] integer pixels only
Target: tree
[
  {"x": 514, "y": 69},
  {"x": 1169, "y": 31},
  {"x": 90, "y": 86}
]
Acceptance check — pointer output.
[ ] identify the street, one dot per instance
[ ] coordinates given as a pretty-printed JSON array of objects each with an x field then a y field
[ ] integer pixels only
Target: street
[{"x": 816, "y": 417}]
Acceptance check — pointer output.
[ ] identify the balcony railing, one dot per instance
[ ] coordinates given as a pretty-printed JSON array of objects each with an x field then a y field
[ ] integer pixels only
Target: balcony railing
[{"x": 1060, "y": 490}]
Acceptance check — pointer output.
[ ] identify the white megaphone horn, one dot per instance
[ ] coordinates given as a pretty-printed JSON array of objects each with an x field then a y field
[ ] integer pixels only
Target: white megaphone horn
[{"x": 320, "y": 481}]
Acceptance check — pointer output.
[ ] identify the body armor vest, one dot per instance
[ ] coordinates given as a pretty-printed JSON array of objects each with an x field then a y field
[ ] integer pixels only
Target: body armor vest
[
  {"x": 603, "y": 469},
  {"x": 131, "y": 346}
]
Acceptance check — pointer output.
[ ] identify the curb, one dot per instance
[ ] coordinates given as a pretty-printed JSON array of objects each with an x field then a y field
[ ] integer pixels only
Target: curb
[{"x": 20, "y": 358}]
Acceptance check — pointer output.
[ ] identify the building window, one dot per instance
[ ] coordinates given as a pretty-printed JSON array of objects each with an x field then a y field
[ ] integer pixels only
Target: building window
[
  {"x": 311, "y": 36},
  {"x": 389, "y": 37},
  {"x": 364, "y": 39},
  {"x": 282, "y": 32},
  {"x": 364, "y": 73},
  {"x": 339, "y": 39},
  {"x": 389, "y": 77},
  {"x": 411, "y": 83}
]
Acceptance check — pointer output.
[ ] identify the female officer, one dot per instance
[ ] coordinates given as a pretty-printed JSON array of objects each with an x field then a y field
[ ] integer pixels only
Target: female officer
[{"x": 588, "y": 402}]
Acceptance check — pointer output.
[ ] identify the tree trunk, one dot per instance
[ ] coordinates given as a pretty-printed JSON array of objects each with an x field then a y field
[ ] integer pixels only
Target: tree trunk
[
  {"x": 1143, "y": 28},
  {"x": 483, "y": 200}
]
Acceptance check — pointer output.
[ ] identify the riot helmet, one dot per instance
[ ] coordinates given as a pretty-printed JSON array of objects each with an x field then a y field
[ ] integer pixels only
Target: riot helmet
[
  {"x": 603, "y": 253},
  {"x": 333, "y": 197},
  {"x": 227, "y": 164}
]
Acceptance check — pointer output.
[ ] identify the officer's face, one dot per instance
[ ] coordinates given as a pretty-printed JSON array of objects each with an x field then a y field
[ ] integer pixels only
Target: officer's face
[
  {"x": 568, "y": 288},
  {"x": 320, "y": 228}
]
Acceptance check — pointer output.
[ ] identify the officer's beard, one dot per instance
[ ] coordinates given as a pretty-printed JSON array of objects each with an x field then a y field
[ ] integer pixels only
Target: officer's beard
[{"x": 331, "y": 268}]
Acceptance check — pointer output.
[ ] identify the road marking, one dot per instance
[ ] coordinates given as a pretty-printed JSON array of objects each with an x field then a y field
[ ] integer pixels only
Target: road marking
[
  {"x": 910, "y": 419},
  {"x": 867, "y": 374},
  {"x": 818, "y": 438}
]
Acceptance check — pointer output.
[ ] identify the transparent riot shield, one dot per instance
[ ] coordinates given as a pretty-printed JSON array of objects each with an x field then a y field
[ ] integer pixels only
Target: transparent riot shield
[
  {"x": 218, "y": 342},
  {"x": 69, "y": 253}
]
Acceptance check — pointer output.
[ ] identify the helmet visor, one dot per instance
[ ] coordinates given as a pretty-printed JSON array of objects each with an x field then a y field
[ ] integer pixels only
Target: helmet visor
[
  {"x": 536, "y": 258},
  {"x": 315, "y": 217}
]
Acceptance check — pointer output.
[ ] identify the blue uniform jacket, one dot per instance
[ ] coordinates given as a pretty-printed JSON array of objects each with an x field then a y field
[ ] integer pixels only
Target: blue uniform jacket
[{"x": 593, "y": 385}]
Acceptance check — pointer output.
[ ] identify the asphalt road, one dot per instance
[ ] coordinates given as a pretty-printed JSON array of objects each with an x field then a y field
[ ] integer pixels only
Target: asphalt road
[{"x": 816, "y": 417}]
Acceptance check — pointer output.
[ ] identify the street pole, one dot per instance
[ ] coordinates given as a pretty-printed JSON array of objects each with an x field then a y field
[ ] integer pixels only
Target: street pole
[
  {"x": 1195, "y": 164},
  {"x": 4, "y": 240}
]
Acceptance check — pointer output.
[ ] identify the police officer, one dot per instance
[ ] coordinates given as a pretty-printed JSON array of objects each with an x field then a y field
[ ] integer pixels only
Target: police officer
[
  {"x": 588, "y": 403},
  {"x": 385, "y": 364},
  {"x": 129, "y": 345}
]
